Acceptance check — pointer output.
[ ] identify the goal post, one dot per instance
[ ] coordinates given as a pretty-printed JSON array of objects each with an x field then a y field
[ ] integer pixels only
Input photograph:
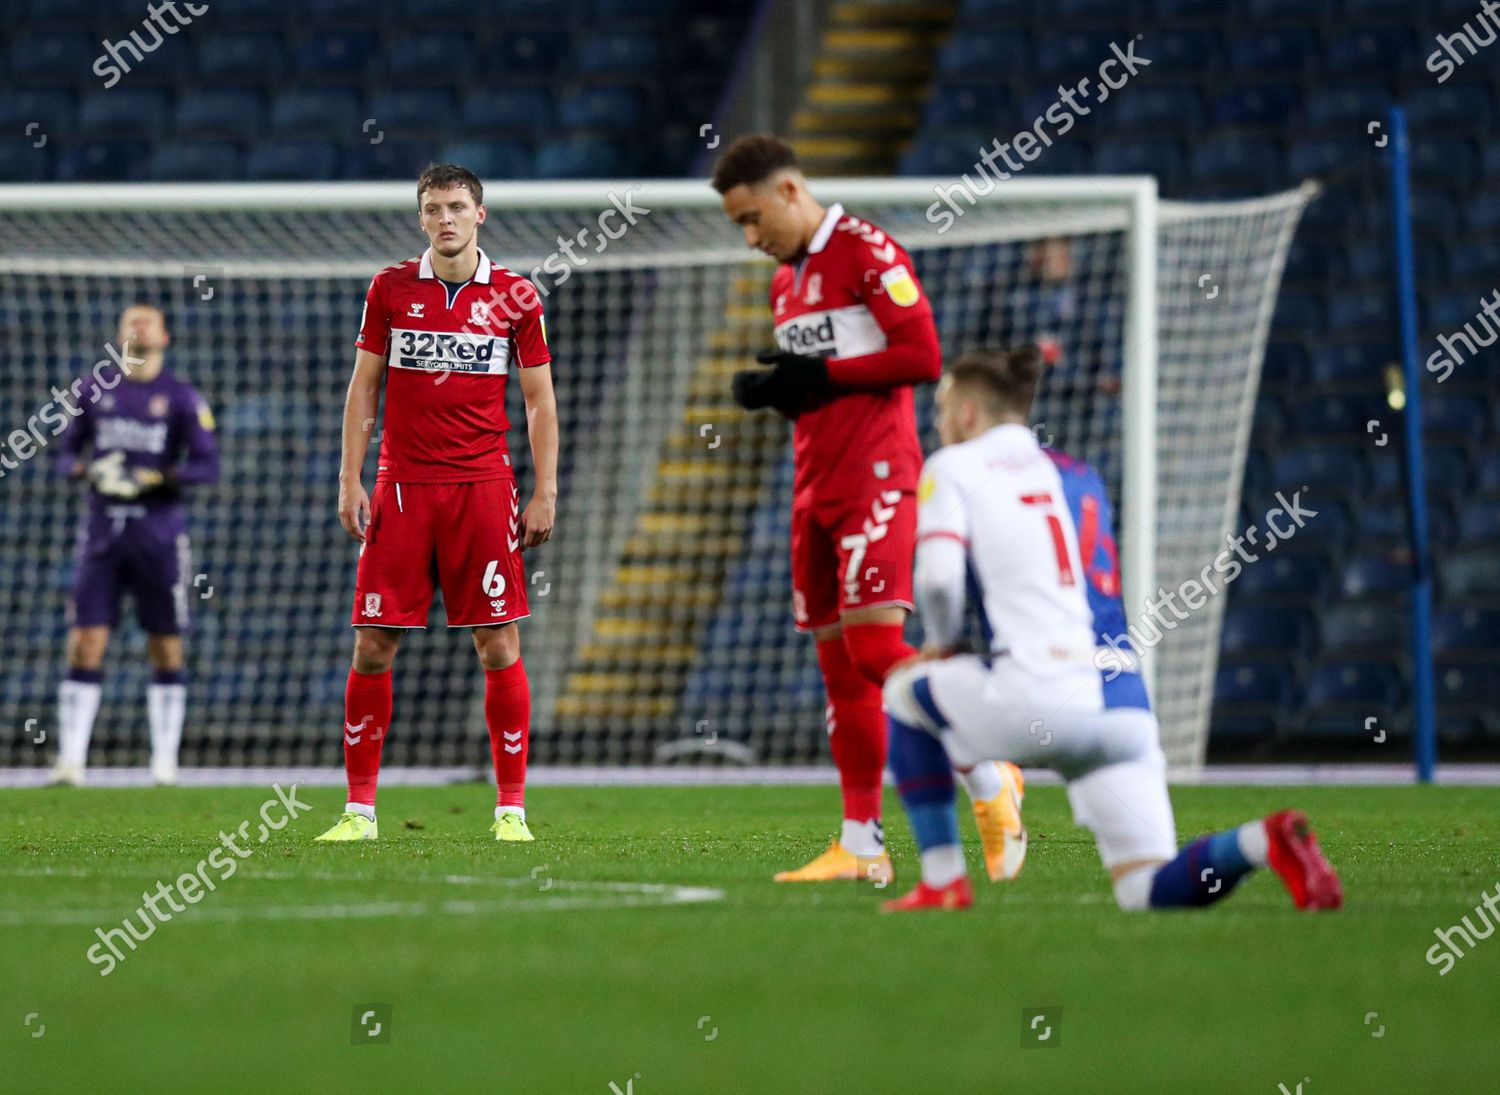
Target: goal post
[{"x": 661, "y": 609}]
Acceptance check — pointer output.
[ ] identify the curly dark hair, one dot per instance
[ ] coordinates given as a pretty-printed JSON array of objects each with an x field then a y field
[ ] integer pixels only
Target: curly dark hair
[
  {"x": 442, "y": 176},
  {"x": 752, "y": 160}
]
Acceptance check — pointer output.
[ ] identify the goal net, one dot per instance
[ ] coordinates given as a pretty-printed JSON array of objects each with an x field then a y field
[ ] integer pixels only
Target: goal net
[{"x": 661, "y": 627}]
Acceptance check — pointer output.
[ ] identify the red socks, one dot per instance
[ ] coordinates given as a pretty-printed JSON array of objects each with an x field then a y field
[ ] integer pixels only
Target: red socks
[
  {"x": 856, "y": 731},
  {"x": 367, "y": 717},
  {"x": 507, "y": 713}
]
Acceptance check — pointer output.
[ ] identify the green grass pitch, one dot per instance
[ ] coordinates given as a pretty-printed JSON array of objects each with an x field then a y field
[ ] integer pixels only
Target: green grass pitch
[{"x": 556, "y": 966}]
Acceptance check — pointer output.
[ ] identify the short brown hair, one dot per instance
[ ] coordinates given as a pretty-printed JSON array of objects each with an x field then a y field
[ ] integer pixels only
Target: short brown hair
[
  {"x": 444, "y": 176},
  {"x": 752, "y": 160},
  {"x": 1006, "y": 380}
]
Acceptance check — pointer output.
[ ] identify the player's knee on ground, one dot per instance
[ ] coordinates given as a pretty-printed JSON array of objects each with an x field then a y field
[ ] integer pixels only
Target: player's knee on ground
[
  {"x": 86, "y": 646},
  {"x": 498, "y": 647},
  {"x": 1133, "y": 888},
  {"x": 375, "y": 649}
]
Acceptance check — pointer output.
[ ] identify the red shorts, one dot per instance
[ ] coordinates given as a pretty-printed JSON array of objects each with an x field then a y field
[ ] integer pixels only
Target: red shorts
[
  {"x": 464, "y": 536},
  {"x": 850, "y": 553}
]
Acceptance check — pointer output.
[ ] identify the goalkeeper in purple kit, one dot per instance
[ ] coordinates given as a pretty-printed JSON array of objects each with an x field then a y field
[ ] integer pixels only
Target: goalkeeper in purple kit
[{"x": 141, "y": 434}]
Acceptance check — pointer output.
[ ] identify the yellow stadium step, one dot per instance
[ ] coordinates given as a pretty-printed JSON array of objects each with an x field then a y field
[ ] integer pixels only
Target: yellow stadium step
[
  {"x": 644, "y": 547},
  {"x": 632, "y": 628},
  {"x": 585, "y": 707},
  {"x": 916, "y": 67},
  {"x": 922, "y": 15},
  {"x": 846, "y": 96},
  {"x": 603, "y": 654},
  {"x": 653, "y": 597},
  {"x": 841, "y": 147}
]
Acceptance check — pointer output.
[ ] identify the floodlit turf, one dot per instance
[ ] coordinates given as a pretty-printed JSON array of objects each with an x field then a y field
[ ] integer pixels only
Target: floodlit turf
[{"x": 494, "y": 967}]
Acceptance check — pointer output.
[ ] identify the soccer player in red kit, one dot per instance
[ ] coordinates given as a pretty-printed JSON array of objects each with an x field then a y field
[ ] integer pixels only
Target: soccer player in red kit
[
  {"x": 855, "y": 333},
  {"x": 442, "y": 332}
]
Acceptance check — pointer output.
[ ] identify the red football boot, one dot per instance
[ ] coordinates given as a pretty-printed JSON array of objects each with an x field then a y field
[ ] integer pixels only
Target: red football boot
[
  {"x": 1294, "y": 855},
  {"x": 958, "y": 894}
]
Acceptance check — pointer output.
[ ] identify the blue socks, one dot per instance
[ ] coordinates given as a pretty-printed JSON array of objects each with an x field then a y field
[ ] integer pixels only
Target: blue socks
[
  {"x": 924, "y": 777},
  {"x": 1204, "y": 872}
]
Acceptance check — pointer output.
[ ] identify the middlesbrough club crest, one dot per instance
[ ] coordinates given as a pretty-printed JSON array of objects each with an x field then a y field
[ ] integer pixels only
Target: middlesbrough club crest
[
  {"x": 479, "y": 312},
  {"x": 372, "y": 604}
]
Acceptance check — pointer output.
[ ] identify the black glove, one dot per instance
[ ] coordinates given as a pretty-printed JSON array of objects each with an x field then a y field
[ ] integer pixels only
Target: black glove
[
  {"x": 799, "y": 375},
  {"x": 753, "y": 388}
]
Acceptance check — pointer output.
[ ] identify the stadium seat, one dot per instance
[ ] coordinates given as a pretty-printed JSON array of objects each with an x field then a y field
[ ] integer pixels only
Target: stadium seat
[
  {"x": 1351, "y": 363},
  {"x": 978, "y": 13},
  {"x": 1294, "y": 579},
  {"x": 20, "y": 162},
  {"x": 1300, "y": 313},
  {"x": 1449, "y": 108},
  {"x": 941, "y": 156},
  {"x": 1254, "y": 682},
  {"x": 387, "y": 159},
  {"x": 1334, "y": 466},
  {"x": 123, "y": 112},
  {"x": 519, "y": 109},
  {"x": 608, "y": 109},
  {"x": 578, "y": 158},
  {"x": 196, "y": 161},
  {"x": 1286, "y": 364},
  {"x": 605, "y": 54},
  {"x": 1274, "y": 52},
  {"x": 445, "y": 54},
  {"x": 984, "y": 54},
  {"x": 966, "y": 106},
  {"x": 1154, "y": 110},
  {"x": 1448, "y": 162},
  {"x": 1071, "y": 54},
  {"x": 1242, "y": 163},
  {"x": 1251, "y": 631},
  {"x": 1466, "y": 632},
  {"x": 1482, "y": 212},
  {"x": 1377, "y": 684},
  {"x": 247, "y": 55},
  {"x": 51, "y": 109},
  {"x": 1254, "y": 105},
  {"x": 1363, "y": 627},
  {"x": 1369, "y": 49},
  {"x": 1360, "y": 311},
  {"x": 492, "y": 159},
  {"x": 1318, "y": 157},
  {"x": 336, "y": 53},
  {"x": 528, "y": 52},
  {"x": 1454, "y": 417},
  {"x": 1167, "y": 160},
  {"x": 412, "y": 110},
  {"x": 1473, "y": 259},
  {"x": 1446, "y": 468},
  {"x": 52, "y": 57},
  {"x": 318, "y": 111},
  {"x": 289, "y": 160},
  {"x": 1337, "y": 416},
  {"x": 1470, "y": 571},
  {"x": 226, "y": 112},
  {"x": 1190, "y": 52},
  {"x": 1375, "y": 576},
  {"x": 99, "y": 161},
  {"x": 1479, "y": 519}
]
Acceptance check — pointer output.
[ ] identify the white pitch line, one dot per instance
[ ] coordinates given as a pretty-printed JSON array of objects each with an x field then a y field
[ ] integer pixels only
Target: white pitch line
[{"x": 587, "y": 895}]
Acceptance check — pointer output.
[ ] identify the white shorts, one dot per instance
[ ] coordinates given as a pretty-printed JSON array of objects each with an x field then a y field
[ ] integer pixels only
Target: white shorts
[{"x": 1110, "y": 757}]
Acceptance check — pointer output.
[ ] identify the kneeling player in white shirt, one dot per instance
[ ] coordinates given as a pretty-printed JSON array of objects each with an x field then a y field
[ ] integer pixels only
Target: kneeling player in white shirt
[{"x": 1031, "y": 530}]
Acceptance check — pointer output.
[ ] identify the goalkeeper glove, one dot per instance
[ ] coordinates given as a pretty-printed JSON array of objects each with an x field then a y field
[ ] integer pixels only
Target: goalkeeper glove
[
  {"x": 109, "y": 477},
  {"x": 112, "y": 479}
]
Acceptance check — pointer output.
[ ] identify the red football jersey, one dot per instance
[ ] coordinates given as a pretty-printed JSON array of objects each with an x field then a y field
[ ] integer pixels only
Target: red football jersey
[
  {"x": 853, "y": 287},
  {"x": 449, "y": 354}
]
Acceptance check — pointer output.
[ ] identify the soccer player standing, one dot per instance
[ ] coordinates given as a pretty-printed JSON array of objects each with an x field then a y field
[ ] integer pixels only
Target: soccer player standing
[
  {"x": 442, "y": 332},
  {"x": 138, "y": 442},
  {"x": 855, "y": 333},
  {"x": 1035, "y": 531}
]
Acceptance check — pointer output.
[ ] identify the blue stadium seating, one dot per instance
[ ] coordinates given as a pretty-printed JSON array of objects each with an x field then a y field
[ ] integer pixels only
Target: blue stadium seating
[{"x": 221, "y": 112}]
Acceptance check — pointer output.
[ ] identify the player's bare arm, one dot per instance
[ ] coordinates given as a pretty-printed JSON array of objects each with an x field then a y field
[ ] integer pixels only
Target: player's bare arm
[
  {"x": 541, "y": 430},
  {"x": 361, "y": 406}
]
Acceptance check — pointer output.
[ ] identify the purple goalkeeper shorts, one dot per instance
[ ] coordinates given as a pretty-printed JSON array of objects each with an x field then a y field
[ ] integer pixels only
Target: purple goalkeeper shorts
[{"x": 144, "y": 554}]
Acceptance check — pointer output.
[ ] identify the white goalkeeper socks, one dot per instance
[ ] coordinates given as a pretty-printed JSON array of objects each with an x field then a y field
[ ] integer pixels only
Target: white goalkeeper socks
[
  {"x": 166, "y": 706},
  {"x": 77, "y": 706},
  {"x": 519, "y": 811},
  {"x": 981, "y": 782}
]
